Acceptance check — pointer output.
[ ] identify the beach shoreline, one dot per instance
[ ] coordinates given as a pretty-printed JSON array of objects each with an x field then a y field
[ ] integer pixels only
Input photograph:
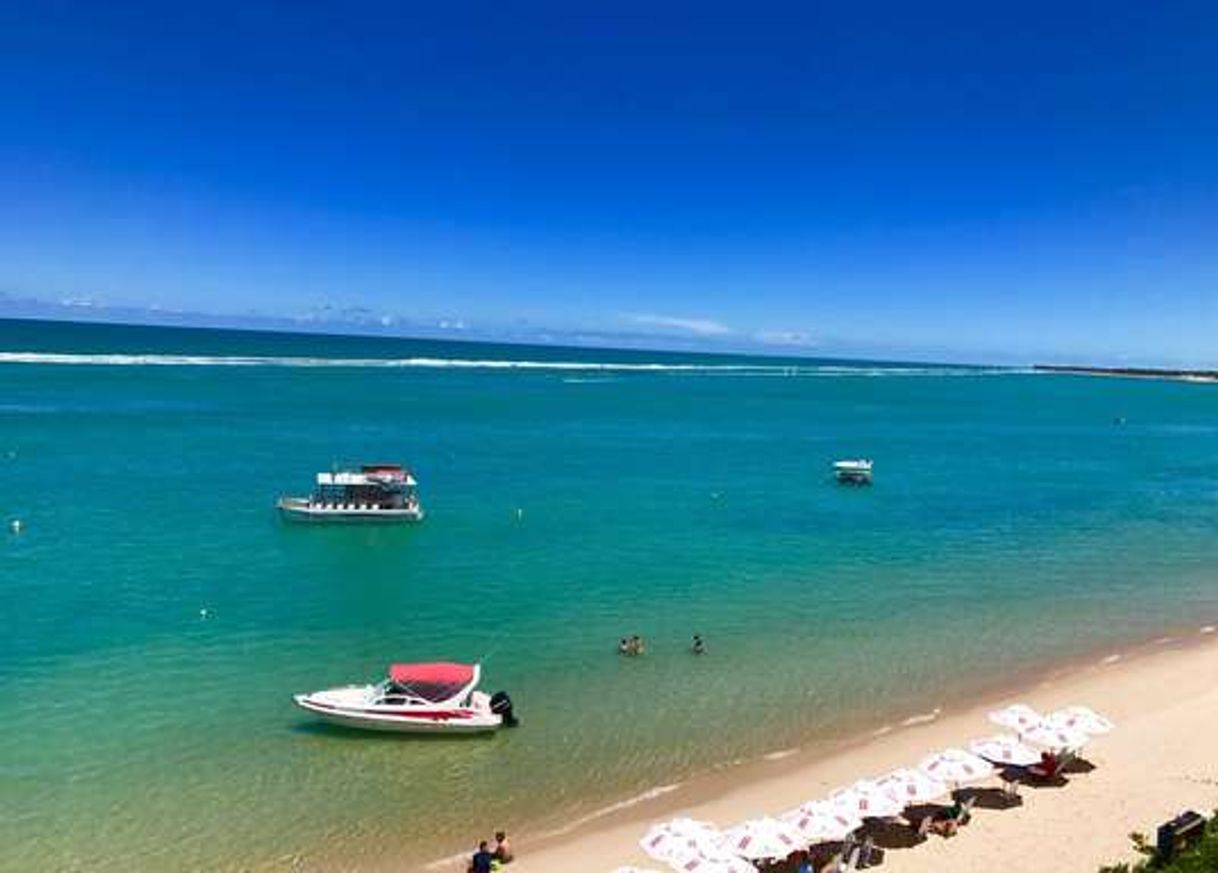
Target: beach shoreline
[{"x": 1175, "y": 677}]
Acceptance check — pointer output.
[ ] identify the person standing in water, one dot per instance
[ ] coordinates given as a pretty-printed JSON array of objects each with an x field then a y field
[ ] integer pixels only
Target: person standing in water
[{"x": 698, "y": 647}]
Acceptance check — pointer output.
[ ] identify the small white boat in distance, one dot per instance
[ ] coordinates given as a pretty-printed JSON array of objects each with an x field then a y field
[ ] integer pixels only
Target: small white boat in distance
[
  {"x": 857, "y": 471},
  {"x": 375, "y": 492},
  {"x": 415, "y": 698}
]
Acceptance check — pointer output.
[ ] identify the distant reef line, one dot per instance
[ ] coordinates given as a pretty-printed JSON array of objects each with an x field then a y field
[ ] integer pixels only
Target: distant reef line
[{"x": 1132, "y": 372}]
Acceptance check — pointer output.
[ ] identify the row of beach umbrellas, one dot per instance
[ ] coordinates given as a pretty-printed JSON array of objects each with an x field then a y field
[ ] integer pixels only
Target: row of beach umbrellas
[{"x": 693, "y": 846}]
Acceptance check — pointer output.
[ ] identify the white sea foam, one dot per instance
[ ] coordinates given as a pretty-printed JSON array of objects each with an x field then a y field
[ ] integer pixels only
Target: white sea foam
[
  {"x": 779, "y": 755},
  {"x": 748, "y": 369},
  {"x": 1111, "y": 659},
  {"x": 649, "y": 794},
  {"x": 441, "y": 863},
  {"x": 922, "y": 718}
]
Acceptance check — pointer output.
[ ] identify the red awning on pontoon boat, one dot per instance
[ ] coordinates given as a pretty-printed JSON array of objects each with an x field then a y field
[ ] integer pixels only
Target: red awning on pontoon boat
[{"x": 435, "y": 682}]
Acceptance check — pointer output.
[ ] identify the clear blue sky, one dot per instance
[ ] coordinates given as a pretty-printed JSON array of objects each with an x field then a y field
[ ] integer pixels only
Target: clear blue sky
[{"x": 987, "y": 181}]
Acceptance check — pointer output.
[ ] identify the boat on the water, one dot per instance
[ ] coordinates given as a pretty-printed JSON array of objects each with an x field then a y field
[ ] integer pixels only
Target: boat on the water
[
  {"x": 856, "y": 471},
  {"x": 374, "y": 492},
  {"x": 415, "y": 698}
]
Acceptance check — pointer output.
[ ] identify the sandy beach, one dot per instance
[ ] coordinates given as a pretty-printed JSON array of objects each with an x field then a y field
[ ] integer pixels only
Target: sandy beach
[{"x": 1161, "y": 759}]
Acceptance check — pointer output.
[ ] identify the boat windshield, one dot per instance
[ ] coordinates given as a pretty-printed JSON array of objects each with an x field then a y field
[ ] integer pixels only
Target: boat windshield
[{"x": 392, "y": 694}]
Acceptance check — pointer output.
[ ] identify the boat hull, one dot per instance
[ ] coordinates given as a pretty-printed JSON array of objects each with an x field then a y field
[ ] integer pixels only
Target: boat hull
[
  {"x": 296, "y": 509},
  {"x": 451, "y": 721},
  {"x": 853, "y": 478}
]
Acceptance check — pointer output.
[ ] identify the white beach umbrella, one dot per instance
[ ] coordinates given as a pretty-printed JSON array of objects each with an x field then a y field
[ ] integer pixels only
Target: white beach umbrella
[
  {"x": 663, "y": 843},
  {"x": 1004, "y": 749},
  {"x": 726, "y": 864},
  {"x": 1080, "y": 718},
  {"x": 1017, "y": 716},
  {"x": 956, "y": 766},
  {"x": 683, "y": 852},
  {"x": 705, "y": 835},
  {"x": 911, "y": 786},
  {"x": 635, "y": 870},
  {"x": 763, "y": 839},
  {"x": 1055, "y": 738},
  {"x": 699, "y": 863},
  {"x": 865, "y": 799},
  {"x": 820, "y": 821}
]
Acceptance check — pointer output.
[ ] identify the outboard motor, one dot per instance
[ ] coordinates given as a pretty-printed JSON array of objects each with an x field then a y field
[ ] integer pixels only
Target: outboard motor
[{"x": 501, "y": 705}]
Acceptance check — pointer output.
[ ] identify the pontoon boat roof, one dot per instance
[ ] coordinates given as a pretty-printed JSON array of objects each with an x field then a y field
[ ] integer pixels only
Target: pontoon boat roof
[
  {"x": 370, "y": 475},
  {"x": 436, "y": 682}
]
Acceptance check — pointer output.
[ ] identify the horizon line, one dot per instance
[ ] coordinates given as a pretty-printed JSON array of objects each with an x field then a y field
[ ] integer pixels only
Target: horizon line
[{"x": 285, "y": 326}]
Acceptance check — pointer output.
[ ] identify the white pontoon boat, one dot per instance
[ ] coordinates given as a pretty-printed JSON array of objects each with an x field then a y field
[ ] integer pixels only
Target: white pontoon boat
[
  {"x": 857, "y": 471},
  {"x": 375, "y": 492},
  {"x": 415, "y": 698}
]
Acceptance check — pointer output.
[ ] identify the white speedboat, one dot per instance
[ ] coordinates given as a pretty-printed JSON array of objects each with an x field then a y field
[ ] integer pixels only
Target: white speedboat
[
  {"x": 415, "y": 698},
  {"x": 856, "y": 471},
  {"x": 375, "y": 492}
]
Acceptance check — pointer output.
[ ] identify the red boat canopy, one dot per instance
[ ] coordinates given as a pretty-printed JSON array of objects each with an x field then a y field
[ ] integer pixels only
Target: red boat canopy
[
  {"x": 392, "y": 471},
  {"x": 434, "y": 682}
]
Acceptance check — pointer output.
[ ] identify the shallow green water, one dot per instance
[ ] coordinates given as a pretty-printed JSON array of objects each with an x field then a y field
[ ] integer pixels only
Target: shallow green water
[{"x": 1013, "y": 523}]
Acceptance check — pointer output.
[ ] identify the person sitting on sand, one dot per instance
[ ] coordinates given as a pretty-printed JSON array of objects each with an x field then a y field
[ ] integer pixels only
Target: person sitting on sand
[
  {"x": 944, "y": 827},
  {"x": 482, "y": 860},
  {"x": 949, "y": 822},
  {"x": 503, "y": 849},
  {"x": 698, "y": 647},
  {"x": 1048, "y": 766}
]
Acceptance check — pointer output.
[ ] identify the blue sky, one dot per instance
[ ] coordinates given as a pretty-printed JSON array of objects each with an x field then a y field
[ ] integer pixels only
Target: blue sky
[{"x": 1030, "y": 181}]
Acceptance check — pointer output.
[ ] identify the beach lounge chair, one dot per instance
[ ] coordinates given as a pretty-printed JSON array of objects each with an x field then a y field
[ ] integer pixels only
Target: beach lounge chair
[
  {"x": 842, "y": 859},
  {"x": 867, "y": 855},
  {"x": 1053, "y": 766}
]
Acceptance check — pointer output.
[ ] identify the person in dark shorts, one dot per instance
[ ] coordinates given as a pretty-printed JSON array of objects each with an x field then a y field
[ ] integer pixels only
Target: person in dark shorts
[{"x": 482, "y": 860}]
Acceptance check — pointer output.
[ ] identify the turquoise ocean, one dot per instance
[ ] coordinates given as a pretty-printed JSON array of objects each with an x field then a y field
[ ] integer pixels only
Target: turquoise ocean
[{"x": 158, "y": 614}]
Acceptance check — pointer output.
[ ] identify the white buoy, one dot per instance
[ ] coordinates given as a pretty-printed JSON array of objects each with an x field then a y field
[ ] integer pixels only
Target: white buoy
[
  {"x": 15, "y": 525},
  {"x": 203, "y": 613},
  {"x": 519, "y": 514}
]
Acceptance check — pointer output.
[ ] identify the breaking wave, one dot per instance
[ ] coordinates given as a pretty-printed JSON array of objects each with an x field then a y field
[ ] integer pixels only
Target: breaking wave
[{"x": 746, "y": 369}]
